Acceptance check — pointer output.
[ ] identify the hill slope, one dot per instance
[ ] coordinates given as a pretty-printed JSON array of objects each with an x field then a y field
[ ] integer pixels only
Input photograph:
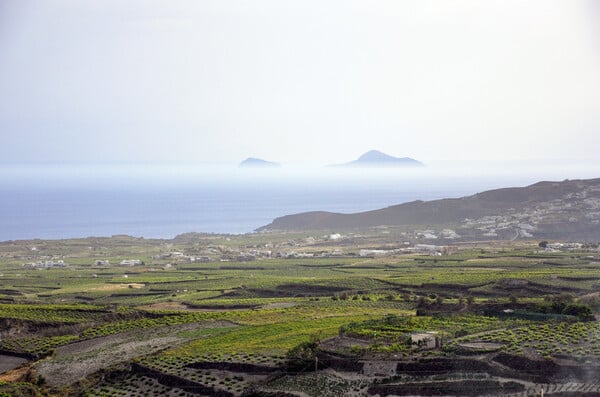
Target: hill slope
[{"x": 546, "y": 209}]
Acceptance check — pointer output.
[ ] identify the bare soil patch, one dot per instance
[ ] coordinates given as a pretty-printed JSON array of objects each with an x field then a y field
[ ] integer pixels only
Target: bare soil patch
[
  {"x": 15, "y": 375},
  {"x": 76, "y": 361},
  {"x": 116, "y": 287},
  {"x": 10, "y": 362},
  {"x": 178, "y": 306}
]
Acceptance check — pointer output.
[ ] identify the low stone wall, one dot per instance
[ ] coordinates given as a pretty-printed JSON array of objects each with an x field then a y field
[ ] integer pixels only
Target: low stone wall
[
  {"x": 179, "y": 382},
  {"x": 548, "y": 370},
  {"x": 340, "y": 363},
  {"x": 458, "y": 388},
  {"x": 435, "y": 366},
  {"x": 234, "y": 367}
]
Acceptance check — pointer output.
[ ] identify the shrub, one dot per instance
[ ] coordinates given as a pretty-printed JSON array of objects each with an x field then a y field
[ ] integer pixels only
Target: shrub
[
  {"x": 302, "y": 356},
  {"x": 583, "y": 312}
]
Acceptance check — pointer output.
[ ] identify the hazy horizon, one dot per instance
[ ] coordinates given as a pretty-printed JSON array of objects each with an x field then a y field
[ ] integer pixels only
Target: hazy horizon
[{"x": 513, "y": 173}]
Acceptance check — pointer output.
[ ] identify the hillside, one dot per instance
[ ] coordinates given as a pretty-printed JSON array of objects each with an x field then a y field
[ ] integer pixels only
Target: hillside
[
  {"x": 567, "y": 209},
  {"x": 375, "y": 158}
]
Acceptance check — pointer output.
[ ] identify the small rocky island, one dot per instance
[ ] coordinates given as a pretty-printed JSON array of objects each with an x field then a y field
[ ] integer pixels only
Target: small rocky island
[{"x": 253, "y": 162}]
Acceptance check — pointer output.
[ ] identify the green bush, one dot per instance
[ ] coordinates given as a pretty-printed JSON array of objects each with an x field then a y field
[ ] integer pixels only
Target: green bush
[
  {"x": 583, "y": 312},
  {"x": 301, "y": 357}
]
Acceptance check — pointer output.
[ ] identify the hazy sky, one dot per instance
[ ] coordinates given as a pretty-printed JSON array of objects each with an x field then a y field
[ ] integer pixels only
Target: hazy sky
[{"x": 315, "y": 81}]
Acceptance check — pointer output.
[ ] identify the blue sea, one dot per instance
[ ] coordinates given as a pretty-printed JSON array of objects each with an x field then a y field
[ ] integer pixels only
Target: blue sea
[{"x": 53, "y": 201}]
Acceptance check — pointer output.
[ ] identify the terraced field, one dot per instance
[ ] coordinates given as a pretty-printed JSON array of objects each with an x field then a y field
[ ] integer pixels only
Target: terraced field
[{"x": 237, "y": 328}]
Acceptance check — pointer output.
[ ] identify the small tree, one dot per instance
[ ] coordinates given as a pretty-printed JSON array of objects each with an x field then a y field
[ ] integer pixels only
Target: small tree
[
  {"x": 558, "y": 303},
  {"x": 583, "y": 312}
]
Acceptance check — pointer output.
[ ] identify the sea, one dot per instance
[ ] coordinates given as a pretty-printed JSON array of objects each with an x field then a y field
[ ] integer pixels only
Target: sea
[{"x": 56, "y": 201}]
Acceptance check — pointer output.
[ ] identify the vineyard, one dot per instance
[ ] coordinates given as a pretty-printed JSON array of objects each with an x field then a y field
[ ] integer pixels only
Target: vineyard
[
  {"x": 228, "y": 328},
  {"x": 577, "y": 340}
]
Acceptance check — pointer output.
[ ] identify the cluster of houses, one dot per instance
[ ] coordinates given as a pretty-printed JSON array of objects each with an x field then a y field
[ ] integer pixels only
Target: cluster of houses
[
  {"x": 212, "y": 254},
  {"x": 124, "y": 262},
  {"x": 518, "y": 225},
  {"x": 427, "y": 249},
  {"x": 558, "y": 247},
  {"x": 445, "y": 234},
  {"x": 49, "y": 264},
  {"x": 581, "y": 206}
]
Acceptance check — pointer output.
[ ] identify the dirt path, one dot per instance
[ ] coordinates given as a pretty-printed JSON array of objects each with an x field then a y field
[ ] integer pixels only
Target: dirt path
[
  {"x": 14, "y": 375},
  {"x": 481, "y": 345},
  {"x": 279, "y": 305}
]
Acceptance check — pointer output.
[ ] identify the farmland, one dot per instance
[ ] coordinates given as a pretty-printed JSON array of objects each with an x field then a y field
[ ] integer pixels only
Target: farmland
[{"x": 253, "y": 314}]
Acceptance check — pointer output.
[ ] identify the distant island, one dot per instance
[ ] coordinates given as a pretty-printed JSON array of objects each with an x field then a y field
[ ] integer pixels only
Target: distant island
[
  {"x": 375, "y": 158},
  {"x": 252, "y": 162}
]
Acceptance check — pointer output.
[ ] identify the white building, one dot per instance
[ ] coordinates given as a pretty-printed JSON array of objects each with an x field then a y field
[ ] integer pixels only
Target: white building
[
  {"x": 131, "y": 262},
  {"x": 425, "y": 340},
  {"x": 49, "y": 264}
]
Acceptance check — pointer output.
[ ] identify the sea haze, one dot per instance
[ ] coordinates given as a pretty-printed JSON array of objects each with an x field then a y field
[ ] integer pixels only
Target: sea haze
[{"x": 52, "y": 201}]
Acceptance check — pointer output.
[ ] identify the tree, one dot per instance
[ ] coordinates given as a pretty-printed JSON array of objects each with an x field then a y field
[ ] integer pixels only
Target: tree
[
  {"x": 558, "y": 303},
  {"x": 543, "y": 244}
]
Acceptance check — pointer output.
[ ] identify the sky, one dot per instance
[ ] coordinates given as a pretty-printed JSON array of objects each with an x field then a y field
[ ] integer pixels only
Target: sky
[{"x": 298, "y": 81}]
